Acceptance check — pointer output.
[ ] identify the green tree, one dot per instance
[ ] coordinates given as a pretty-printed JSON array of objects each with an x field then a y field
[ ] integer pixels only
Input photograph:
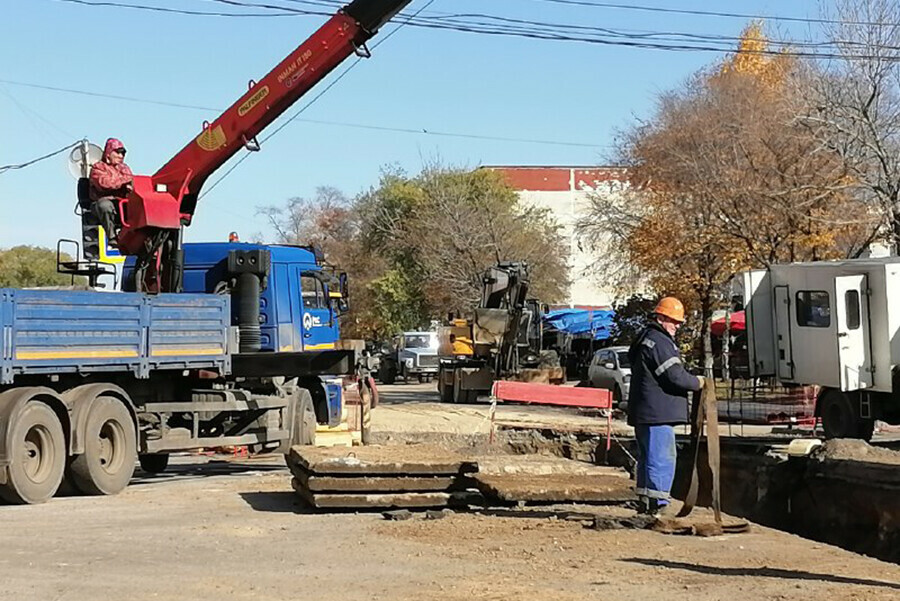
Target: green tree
[{"x": 30, "y": 267}]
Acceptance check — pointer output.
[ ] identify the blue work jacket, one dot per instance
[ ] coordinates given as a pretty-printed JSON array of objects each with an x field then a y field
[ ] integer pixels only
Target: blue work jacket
[{"x": 659, "y": 382}]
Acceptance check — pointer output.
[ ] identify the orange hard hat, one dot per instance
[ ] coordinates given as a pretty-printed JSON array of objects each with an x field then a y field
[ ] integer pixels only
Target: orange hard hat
[{"x": 671, "y": 307}]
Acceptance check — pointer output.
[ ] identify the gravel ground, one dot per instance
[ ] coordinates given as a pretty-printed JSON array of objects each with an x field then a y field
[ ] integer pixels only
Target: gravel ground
[{"x": 225, "y": 530}]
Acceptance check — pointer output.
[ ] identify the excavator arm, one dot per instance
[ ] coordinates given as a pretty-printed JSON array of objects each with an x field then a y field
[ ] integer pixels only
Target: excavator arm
[{"x": 160, "y": 204}]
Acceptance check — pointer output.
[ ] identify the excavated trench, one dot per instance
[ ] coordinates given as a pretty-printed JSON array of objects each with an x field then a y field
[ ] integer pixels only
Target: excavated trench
[{"x": 846, "y": 494}]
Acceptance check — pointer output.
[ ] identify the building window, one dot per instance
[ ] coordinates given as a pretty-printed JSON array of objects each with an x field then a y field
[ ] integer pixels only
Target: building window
[
  {"x": 851, "y": 299},
  {"x": 813, "y": 309}
]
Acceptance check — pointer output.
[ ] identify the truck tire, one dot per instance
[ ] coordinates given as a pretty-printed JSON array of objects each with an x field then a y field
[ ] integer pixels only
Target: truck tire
[
  {"x": 303, "y": 431},
  {"x": 110, "y": 449},
  {"x": 37, "y": 459},
  {"x": 840, "y": 418},
  {"x": 387, "y": 375},
  {"x": 445, "y": 390},
  {"x": 154, "y": 463}
]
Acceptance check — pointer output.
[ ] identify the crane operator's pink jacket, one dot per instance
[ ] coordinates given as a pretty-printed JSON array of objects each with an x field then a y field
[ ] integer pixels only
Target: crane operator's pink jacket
[{"x": 107, "y": 180}]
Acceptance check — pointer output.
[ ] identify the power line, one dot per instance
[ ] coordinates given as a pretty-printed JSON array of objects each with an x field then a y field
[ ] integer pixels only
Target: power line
[
  {"x": 706, "y": 13},
  {"x": 560, "y": 32},
  {"x": 5, "y": 168},
  {"x": 177, "y": 11},
  {"x": 102, "y": 95},
  {"x": 311, "y": 102},
  {"x": 368, "y": 126}
]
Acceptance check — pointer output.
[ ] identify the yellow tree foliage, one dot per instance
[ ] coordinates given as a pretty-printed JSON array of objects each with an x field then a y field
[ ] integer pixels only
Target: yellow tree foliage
[
  {"x": 728, "y": 178},
  {"x": 754, "y": 58}
]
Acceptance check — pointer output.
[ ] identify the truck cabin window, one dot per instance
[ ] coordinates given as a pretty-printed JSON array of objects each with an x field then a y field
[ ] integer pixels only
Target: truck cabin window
[
  {"x": 418, "y": 341},
  {"x": 813, "y": 309},
  {"x": 313, "y": 292},
  {"x": 851, "y": 300}
]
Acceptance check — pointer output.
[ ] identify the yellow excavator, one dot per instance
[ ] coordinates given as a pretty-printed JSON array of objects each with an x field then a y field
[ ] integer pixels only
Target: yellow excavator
[{"x": 502, "y": 341}]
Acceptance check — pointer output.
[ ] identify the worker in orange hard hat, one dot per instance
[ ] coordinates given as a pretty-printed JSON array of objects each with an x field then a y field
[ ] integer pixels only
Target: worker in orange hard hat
[{"x": 657, "y": 401}]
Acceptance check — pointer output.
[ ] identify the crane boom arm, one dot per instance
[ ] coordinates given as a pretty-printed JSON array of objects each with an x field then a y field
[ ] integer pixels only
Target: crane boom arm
[{"x": 341, "y": 36}]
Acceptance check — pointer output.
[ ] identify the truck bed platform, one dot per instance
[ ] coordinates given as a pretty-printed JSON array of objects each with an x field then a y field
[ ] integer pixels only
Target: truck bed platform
[{"x": 62, "y": 331}]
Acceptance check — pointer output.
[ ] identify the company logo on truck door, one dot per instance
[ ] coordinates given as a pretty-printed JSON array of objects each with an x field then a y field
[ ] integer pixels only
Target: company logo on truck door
[
  {"x": 253, "y": 101},
  {"x": 311, "y": 321}
]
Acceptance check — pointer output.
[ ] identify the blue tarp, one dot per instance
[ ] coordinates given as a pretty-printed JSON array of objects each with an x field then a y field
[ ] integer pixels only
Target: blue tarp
[{"x": 582, "y": 322}]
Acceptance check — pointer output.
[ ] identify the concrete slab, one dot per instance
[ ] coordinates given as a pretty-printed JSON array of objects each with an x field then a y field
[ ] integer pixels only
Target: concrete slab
[
  {"x": 372, "y": 501},
  {"x": 555, "y": 488},
  {"x": 373, "y": 460},
  {"x": 373, "y": 484}
]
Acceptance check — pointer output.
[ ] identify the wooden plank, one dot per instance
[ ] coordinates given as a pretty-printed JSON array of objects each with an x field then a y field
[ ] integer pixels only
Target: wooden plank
[
  {"x": 408, "y": 460},
  {"x": 374, "y": 484},
  {"x": 555, "y": 488}
]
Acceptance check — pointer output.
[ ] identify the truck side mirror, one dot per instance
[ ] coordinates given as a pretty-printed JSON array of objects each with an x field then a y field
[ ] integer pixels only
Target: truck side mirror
[{"x": 344, "y": 286}]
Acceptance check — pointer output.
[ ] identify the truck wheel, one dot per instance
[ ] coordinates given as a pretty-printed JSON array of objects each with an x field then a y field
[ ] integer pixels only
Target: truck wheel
[
  {"x": 154, "y": 463},
  {"x": 110, "y": 449},
  {"x": 303, "y": 431},
  {"x": 445, "y": 389},
  {"x": 840, "y": 418},
  {"x": 388, "y": 376},
  {"x": 37, "y": 459},
  {"x": 422, "y": 379}
]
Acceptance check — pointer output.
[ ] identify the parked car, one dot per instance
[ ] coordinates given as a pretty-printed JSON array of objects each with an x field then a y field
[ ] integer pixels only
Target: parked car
[{"x": 610, "y": 368}]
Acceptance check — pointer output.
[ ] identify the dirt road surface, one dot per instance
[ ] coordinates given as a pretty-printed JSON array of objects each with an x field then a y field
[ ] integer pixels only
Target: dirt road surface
[{"x": 235, "y": 531}]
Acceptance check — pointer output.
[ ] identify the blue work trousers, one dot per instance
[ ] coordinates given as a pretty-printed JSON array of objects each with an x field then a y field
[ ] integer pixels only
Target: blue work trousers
[{"x": 656, "y": 461}]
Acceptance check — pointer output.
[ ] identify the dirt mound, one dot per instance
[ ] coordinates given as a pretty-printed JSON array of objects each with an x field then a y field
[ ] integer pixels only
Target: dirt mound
[{"x": 845, "y": 449}]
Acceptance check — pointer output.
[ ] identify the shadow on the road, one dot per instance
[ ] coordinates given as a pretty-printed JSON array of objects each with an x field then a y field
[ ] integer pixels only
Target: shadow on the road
[
  {"x": 277, "y": 502},
  {"x": 399, "y": 394},
  {"x": 193, "y": 471},
  {"x": 765, "y": 572}
]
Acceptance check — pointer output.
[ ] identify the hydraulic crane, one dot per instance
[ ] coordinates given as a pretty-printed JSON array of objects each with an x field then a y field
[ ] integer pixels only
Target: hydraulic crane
[{"x": 160, "y": 205}]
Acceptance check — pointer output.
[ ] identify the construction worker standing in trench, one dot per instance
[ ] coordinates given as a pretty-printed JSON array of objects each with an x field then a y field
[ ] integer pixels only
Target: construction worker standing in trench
[{"x": 658, "y": 400}]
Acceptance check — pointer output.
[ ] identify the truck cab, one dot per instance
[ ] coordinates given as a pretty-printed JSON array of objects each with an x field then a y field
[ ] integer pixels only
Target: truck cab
[{"x": 300, "y": 301}]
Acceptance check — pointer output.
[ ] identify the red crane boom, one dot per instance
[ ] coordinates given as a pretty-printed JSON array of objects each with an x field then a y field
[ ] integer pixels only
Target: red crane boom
[{"x": 160, "y": 204}]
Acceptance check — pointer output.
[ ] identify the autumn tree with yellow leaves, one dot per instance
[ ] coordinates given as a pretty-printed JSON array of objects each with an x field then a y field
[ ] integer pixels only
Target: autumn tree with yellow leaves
[{"x": 725, "y": 176}]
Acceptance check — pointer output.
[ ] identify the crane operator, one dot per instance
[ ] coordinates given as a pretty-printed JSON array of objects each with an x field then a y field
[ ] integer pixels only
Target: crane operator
[{"x": 111, "y": 180}]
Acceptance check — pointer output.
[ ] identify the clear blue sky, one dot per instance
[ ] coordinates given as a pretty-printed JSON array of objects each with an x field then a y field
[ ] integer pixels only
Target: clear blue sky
[{"x": 419, "y": 79}]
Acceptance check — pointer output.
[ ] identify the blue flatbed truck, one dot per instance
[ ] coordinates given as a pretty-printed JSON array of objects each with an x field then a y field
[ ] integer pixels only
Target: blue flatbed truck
[
  {"x": 93, "y": 380},
  {"x": 207, "y": 345}
]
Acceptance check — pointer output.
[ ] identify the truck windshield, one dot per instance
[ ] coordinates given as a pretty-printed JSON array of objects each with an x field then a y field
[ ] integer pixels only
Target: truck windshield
[{"x": 419, "y": 341}]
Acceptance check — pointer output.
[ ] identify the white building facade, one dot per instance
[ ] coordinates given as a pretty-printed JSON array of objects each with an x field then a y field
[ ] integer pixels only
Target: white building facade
[{"x": 565, "y": 192}]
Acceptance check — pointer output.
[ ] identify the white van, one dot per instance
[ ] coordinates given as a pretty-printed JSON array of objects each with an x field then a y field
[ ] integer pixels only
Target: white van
[{"x": 835, "y": 324}]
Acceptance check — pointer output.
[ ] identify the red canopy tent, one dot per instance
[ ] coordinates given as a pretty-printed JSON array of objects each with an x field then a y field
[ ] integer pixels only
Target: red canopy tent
[{"x": 737, "y": 324}]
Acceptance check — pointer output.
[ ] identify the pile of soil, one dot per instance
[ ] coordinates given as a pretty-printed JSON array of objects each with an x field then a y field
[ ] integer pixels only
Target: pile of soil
[{"x": 845, "y": 449}]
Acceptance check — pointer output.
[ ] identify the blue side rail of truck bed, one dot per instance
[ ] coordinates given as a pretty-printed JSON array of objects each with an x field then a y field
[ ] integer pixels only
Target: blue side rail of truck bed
[{"x": 62, "y": 331}]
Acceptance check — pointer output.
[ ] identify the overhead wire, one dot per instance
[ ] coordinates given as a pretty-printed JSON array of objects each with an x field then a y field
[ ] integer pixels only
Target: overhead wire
[
  {"x": 538, "y": 30},
  {"x": 311, "y": 102},
  {"x": 5, "y": 168},
  {"x": 711, "y": 13}
]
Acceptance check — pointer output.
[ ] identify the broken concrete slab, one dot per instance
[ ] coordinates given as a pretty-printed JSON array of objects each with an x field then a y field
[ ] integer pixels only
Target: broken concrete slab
[
  {"x": 408, "y": 460},
  {"x": 384, "y": 484},
  {"x": 373, "y": 501},
  {"x": 555, "y": 488}
]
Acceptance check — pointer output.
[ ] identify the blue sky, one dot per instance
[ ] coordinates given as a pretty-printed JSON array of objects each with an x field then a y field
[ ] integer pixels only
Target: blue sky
[{"x": 418, "y": 79}]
